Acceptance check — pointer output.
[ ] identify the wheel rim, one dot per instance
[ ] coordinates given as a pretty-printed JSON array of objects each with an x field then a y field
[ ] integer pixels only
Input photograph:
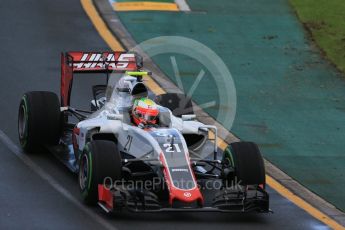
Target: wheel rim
[
  {"x": 22, "y": 122},
  {"x": 83, "y": 172}
]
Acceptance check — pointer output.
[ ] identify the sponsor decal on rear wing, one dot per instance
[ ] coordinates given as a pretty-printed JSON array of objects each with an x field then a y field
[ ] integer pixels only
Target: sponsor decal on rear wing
[
  {"x": 100, "y": 62},
  {"x": 103, "y": 61}
]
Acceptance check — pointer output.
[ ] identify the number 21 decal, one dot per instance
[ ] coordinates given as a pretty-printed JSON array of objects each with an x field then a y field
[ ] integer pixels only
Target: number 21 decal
[
  {"x": 128, "y": 143},
  {"x": 169, "y": 148}
]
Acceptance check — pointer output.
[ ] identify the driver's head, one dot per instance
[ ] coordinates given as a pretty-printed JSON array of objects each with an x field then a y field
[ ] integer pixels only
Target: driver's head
[{"x": 144, "y": 111}]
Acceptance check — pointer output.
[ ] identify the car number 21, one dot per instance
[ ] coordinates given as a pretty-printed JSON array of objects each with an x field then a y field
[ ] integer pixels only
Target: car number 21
[{"x": 169, "y": 148}]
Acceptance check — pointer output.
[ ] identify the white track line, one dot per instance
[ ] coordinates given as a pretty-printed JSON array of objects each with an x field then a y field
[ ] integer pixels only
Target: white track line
[
  {"x": 182, "y": 5},
  {"x": 50, "y": 180}
]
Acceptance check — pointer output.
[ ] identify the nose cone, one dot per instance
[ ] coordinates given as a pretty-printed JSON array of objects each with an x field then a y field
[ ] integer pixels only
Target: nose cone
[{"x": 185, "y": 196}]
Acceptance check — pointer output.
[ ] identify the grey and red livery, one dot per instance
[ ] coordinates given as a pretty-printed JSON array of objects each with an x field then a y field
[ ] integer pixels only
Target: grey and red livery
[{"x": 171, "y": 166}]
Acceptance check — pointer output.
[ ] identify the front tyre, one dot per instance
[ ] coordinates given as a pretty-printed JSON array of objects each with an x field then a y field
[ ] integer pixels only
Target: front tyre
[
  {"x": 100, "y": 160},
  {"x": 246, "y": 162},
  {"x": 38, "y": 120}
]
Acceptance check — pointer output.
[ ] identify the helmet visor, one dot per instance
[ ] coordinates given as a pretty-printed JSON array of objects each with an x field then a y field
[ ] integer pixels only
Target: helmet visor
[
  {"x": 146, "y": 117},
  {"x": 149, "y": 118}
]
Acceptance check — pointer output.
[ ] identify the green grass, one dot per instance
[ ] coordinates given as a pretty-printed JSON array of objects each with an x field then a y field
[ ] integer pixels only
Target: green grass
[{"x": 325, "y": 19}]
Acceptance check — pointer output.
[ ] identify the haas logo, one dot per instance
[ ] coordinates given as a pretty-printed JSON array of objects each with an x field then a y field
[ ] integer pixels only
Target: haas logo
[
  {"x": 187, "y": 194},
  {"x": 96, "y": 60}
]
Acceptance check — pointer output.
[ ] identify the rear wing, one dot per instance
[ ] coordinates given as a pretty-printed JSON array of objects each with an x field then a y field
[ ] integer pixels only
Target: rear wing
[
  {"x": 102, "y": 61},
  {"x": 94, "y": 62}
]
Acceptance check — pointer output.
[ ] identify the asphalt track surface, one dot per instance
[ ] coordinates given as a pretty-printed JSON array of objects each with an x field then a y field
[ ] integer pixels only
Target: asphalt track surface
[{"x": 32, "y": 35}]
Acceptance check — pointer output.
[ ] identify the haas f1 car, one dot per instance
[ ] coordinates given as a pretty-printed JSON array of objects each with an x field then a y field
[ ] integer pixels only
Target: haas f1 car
[{"x": 173, "y": 165}]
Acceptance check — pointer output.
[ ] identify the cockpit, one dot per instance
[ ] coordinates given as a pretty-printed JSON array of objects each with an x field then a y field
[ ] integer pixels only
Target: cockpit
[{"x": 120, "y": 94}]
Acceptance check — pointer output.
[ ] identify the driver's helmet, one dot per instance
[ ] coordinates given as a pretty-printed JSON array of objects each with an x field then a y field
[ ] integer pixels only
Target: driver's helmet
[{"x": 144, "y": 111}]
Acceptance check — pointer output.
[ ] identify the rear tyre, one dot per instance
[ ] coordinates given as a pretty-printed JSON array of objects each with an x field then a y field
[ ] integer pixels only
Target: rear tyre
[
  {"x": 246, "y": 160},
  {"x": 99, "y": 161},
  {"x": 179, "y": 104},
  {"x": 38, "y": 120}
]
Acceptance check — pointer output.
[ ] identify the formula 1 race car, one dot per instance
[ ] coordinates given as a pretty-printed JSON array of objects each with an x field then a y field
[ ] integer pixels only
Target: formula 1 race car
[{"x": 173, "y": 165}]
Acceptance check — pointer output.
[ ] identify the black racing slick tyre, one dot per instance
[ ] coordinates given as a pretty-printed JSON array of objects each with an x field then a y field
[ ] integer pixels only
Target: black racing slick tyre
[
  {"x": 38, "y": 120},
  {"x": 247, "y": 161},
  {"x": 179, "y": 104},
  {"x": 100, "y": 162}
]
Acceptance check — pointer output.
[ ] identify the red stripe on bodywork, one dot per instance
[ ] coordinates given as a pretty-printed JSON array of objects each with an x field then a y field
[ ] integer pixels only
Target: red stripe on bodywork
[
  {"x": 175, "y": 193},
  {"x": 76, "y": 132}
]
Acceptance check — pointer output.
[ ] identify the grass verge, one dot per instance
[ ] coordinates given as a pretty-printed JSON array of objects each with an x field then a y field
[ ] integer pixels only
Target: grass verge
[{"x": 325, "y": 19}]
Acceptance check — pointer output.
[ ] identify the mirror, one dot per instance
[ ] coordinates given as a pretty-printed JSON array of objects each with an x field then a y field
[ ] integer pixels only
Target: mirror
[
  {"x": 118, "y": 117},
  {"x": 189, "y": 117}
]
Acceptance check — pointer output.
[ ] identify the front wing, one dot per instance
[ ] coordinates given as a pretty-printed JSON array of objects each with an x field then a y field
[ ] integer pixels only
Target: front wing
[{"x": 225, "y": 200}]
